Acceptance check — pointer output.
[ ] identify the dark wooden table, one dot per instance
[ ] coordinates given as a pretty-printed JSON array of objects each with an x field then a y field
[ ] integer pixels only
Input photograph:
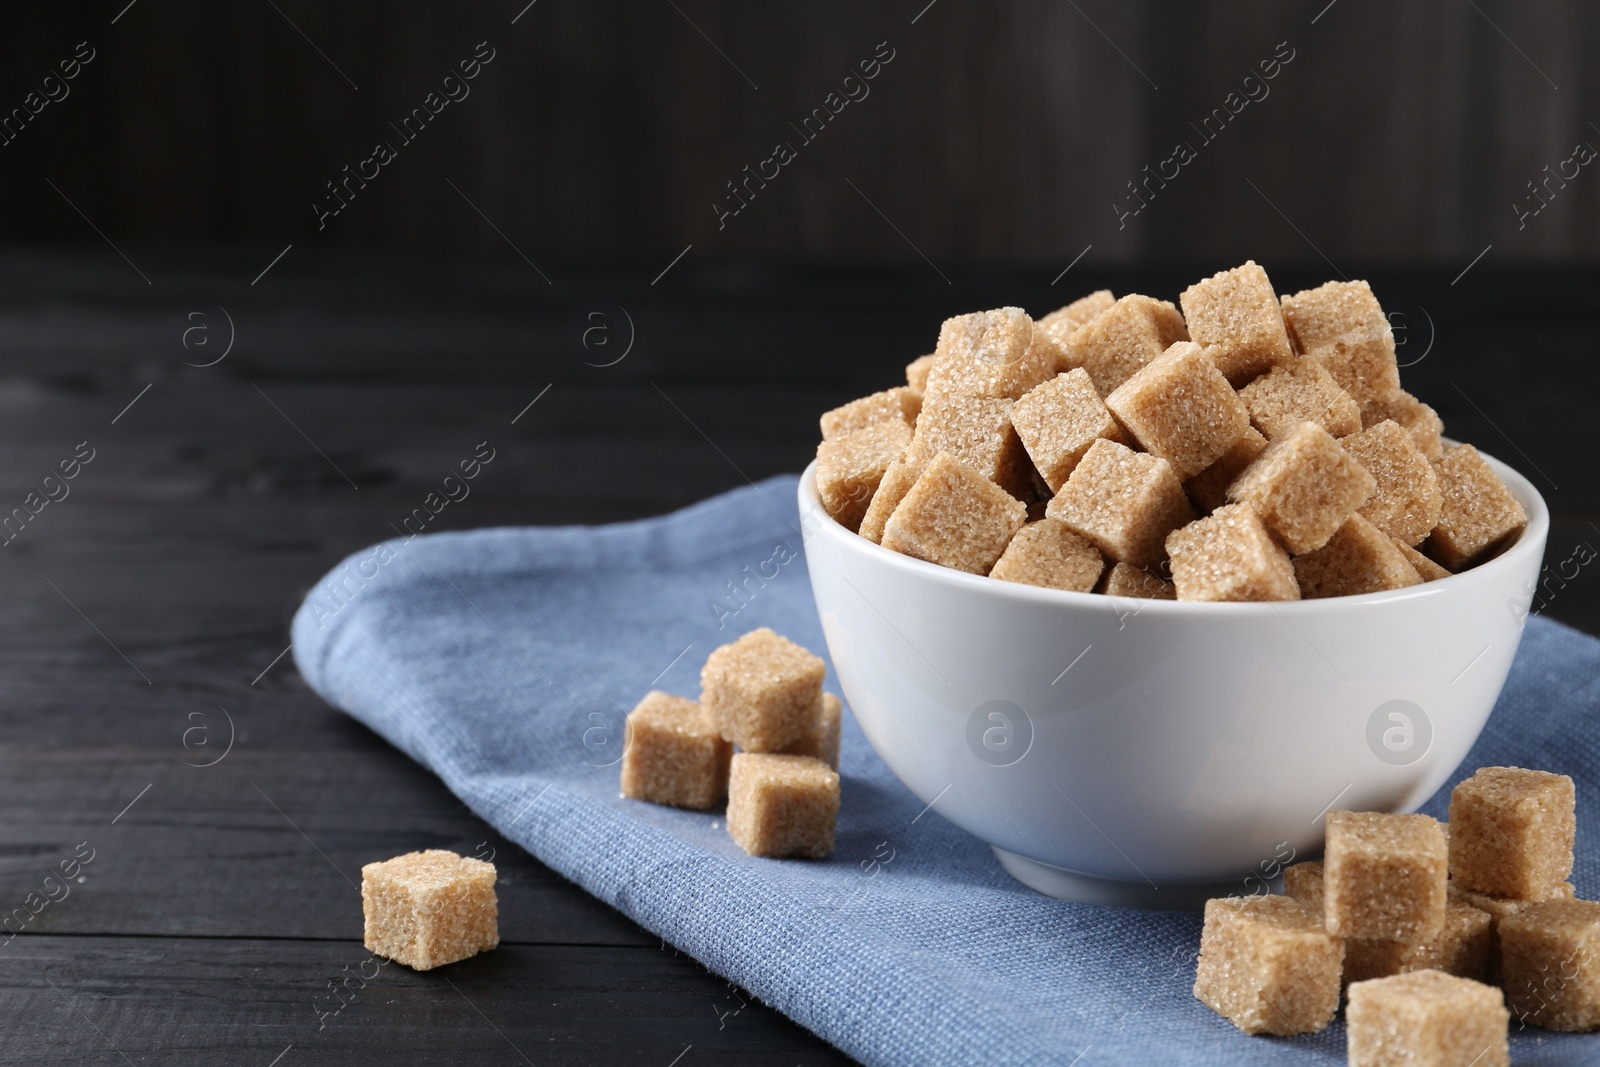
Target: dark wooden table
[{"x": 151, "y": 715}]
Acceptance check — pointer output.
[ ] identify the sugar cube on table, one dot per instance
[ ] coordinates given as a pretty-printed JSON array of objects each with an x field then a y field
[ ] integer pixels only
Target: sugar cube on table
[
  {"x": 1124, "y": 337},
  {"x": 1359, "y": 558},
  {"x": 1497, "y": 908},
  {"x": 1342, "y": 326},
  {"x": 1268, "y": 966},
  {"x": 1304, "y": 487},
  {"x": 1058, "y": 420},
  {"x": 822, "y": 738},
  {"x": 1427, "y": 1019},
  {"x": 1479, "y": 514},
  {"x": 427, "y": 909},
  {"x": 1124, "y": 579},
  {"x": 1209, "y": 488},
  {"x": 917, "y": 374},
  {"x": 955, "y": 517},
  {"x": 1230, "y": 555},
  {"x": 1236, "y": 315},
  {"x": 850, "y": 468},
  {"x": 1179, "y": 407},
  {"x": 899, "y": 404},
  {"x": 1124, "y": 502},
  {"x": 978, "y": 432},
  {"x": 1406, "y": 501},
  {"x": 761, "y": 690},
  {"x": 1426, "y": 568},
  {"x": 1415, "y": 417},
  {"x": 898, "y": 478},
  {"x": 996, "y": 354},
  {"x": 780, "y": 805},
  {"x": 1047, "y": 553},
  {"x": 1512, "y": 832},
  {"x": 1299, "y": 390},
  {"x": 674, "y": 753},
  {"x": 1550, "y": 964},
  {"x": 1385, "y": 876},
  {"x": 1063, "y": 322}
]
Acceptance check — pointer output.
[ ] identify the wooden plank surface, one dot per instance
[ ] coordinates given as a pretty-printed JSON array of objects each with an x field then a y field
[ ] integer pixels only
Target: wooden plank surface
[{"x": 153, "y": 600}]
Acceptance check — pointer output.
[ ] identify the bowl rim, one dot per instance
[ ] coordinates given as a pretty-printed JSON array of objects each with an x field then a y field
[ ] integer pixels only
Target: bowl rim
[{"x": 815, "y": 521}]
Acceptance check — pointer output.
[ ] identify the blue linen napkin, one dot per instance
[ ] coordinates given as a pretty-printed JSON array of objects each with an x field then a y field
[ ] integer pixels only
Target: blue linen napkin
[{"x": 504, "y": 660}]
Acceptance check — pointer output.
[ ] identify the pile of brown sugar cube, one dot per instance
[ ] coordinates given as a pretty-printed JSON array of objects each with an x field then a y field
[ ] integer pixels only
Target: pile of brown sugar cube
[
  {"x": 1250, "y": 447},
  {"x": 762, "y": 693},
  {"x": 1438, "y": 932}
]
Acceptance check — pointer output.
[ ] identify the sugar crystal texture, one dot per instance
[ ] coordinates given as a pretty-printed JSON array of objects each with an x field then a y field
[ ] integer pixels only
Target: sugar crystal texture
[
  {"x": 1047, "y": 553},
  {"x": 1124, "y": 337},
  {"x": 954, "y": 517},
  {"x": 1124, "y": 502},
  {"x": 899, "y": 404},
  {"x": 850, "y": 468},
  {"x": 1179, "y": 407},
  {"x": 1342, "y": 326},
  {"x": 898, "y": 478},
  {"x": 1209, "y": 488},
  {"x": 1415, "y": 417},
  {"x": 1427, "y": 1019},
  {"x": 1498, "y": 908},
  {"x": 1384, "y": 876},
  {"x": 1236, "y": 315},
  {"x": 761, "y": 690},
  {"x": 1299, "y": 390},
  {"x": 1124, "y": 579},
  {"x": 427, "y": 909},
  {"x": 1512, "y": 832},
  {"x": 1268, "y": 966},
  {"x": 978, "y": 432},
  {"x": 1059, "y": 326},
  {"x": 1058, "y": 420},
  {"x": 1359, "y": 558},
  {"x": 917, "y": 374},
  {"x": 781, "y": 805},
  {"x": 674, "y": 754},
  {"x": 1550, "y": 964},
  {"x": 1406, "y": 502},
  {"x": 1304, "y": 487},
  {"x": 1426, "y": 568},
  {"x": 1479, "y": 515},
  {"x": 995, "y": 354},
  {"x": 1230, "y": 555},
  {"x": 822, "y": 739}
]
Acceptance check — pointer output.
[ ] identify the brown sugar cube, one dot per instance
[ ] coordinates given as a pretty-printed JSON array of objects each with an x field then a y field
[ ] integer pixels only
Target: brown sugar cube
[
  {"x": 978, "y": 432},
  {"x": 1461, "y": 948},
  {"x": 1268, "y": 966},
  {"x": 1426, "y": 568},
  {"x": 1512, "y": 832},
  {"x": 1058, "y": 421},
  {"x": 1357, "y": 559},
  {"x": 1048, "y": 554},
  {"x": 955, "y": 517},
  {"x": 1059, "y": 326},
  {"x": 1479, "y": 515},
  {"x": 1550, "y": 964},
  {"x": 1124, "y": 337},
  {"x": 1236, "y": 315},
  {"x": 1406, "y": 501},
  {"x": 1300, "y": 390},
  {"x": 427, "y": 909},
  {"x": 761, "y": 690},
  {"x": 1427, "y": 1019},
  {"x": 1123, "y": 501},
  {"x": 1415, "y": 417},
  {"x": 1304, "y": 487},
  {"x": 850, "y": 468},
  {"x": 674, "y": 754},
  {"x": 1497, "y": 908},
  {"x": 917, "y": 374},
  {"x": 1180, "y": 407},
  {"x": 1342, "y": 326},
  {"x": 822, "y": 739},
  {"x": 782, "y": 805},
  {"x": 1124, "y": 579},
  {"x": 1384, "y": 876},
  {"x": 1209, "y": 488},
  {"x": 898, "y": 478},
  {"x": 995, "y": 353},
  {"x": 1230, "y": 555},
  {"x": 899, "y": 404}
]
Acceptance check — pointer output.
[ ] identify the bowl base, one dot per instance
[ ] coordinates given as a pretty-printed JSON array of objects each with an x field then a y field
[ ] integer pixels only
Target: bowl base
[{"x": 1066, "y": 884}]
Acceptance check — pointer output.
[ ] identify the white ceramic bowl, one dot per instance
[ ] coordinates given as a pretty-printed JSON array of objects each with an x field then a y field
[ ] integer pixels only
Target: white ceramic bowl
[{"x": 1154, "y": 753}]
